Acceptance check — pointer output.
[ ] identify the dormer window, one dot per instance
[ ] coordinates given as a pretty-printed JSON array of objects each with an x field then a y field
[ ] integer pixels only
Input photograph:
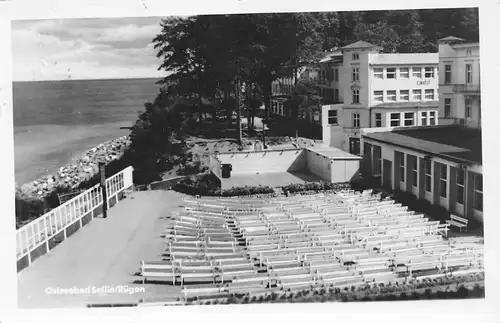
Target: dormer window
[{"x": 355, "y": 56}]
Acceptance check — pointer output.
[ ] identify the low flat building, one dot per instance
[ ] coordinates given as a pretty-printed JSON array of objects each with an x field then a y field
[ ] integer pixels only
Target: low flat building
[{"x": 440, "y": 164}]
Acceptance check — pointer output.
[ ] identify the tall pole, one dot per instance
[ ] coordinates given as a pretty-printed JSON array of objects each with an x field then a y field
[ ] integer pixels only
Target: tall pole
[
  {"x": 238, "y": 111},
  {"x": 103, "y": 189}
]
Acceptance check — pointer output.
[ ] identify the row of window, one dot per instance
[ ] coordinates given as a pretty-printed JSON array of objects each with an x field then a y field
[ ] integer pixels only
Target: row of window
[
  {"x": 396, "y": 119},
  {"x": 443, "y": 181},
  {"x": 329, "y": 93},
  {"x": 281, "y": 88},
  {"x": 391, "y": 73},
  {"x": 404, "y": 95},
  {"x": 329, "y": 74},
  {"x": 468, "y": 73},
  {"x": 468, "y": 107}
]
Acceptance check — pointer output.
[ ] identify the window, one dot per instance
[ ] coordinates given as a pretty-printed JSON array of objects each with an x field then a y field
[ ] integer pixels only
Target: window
[
  {"x": 417, "y": 95},
  {"x": 404, "y": 95},
  {"x": 336, "y": 95},
  {"x": 404, "y": 72},
  {"x": 432, "y": 118},
  {"x": 409, "y": 118},
  {"x": 468, "y": 107},
  {"x": 414, "y": 170},
  {"x": 417, "y": 72},
  {"x": 429, "y": 72},
  {"x": 447, "y": 74},
  {"x": 468, "y": 73},
  {"x": 333, "y": 117},
  {"x": 355, "y": 96},
  {"x": 447, "y": 107},
  {"x": 355, "y": 74},
  {"x": 478, "y": 192},
  {"x": 424, "y": 118},
  {"x": 468, "y": 52},
  {"x": 460, "y": 186},
  {"x": 429, "y": 94},
  {"x": 402, "y": 168},
  {"x": 378, "y": 73},
  {"x": 395, "y": 119},
  {"x": 274, "y": 105},
  {"x": 355, "y": 56},
  {"x": 355, "y": 120},
  {"x": 391, "y": 96},
  {"x": 336, "y": 75},
  {"x": 378, "y": 120},
  {"x": 428, "y": 175},
  {"x": 443, "y": 181},
  {"x": 391, "y": 73},
  {"x": 378, "y": 96}
]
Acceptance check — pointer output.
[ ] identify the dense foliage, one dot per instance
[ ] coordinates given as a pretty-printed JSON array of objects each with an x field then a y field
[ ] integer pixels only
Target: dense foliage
[{"x": 228, "y": 62}]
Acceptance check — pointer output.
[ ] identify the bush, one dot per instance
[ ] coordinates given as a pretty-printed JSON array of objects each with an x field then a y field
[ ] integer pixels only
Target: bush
[{"x": 315, "y": 187}]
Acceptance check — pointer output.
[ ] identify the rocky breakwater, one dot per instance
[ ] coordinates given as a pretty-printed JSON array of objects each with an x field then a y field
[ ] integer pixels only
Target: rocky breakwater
[{"x": 82, "y": 169}]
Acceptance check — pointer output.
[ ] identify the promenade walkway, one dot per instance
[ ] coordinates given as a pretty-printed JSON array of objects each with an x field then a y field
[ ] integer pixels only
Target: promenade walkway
[{"x": 105, "y": 253}]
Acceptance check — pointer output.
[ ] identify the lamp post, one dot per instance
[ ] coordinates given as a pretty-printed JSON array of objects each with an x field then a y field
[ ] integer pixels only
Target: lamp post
[{"x": 103, "y": 189}]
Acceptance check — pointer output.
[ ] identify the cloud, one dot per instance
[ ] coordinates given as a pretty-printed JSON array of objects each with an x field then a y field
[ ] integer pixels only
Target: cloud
[{"x": 85, "y": 48}]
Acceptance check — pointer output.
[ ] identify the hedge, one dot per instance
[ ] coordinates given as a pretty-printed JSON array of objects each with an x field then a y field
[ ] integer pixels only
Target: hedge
[
  {"x": 368, "y": 293},
  {"x": 209, "y": 185}
]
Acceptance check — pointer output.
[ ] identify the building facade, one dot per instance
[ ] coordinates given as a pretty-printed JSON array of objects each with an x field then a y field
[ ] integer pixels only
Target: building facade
[
  {"x": 440, "y": 164},
  {"x": 380, "y": 90},
  {"x": 459, "y": 82}
]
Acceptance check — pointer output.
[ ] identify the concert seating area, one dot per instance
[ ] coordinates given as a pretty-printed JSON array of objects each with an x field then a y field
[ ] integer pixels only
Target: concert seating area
[{"x": 219, "y": 247}]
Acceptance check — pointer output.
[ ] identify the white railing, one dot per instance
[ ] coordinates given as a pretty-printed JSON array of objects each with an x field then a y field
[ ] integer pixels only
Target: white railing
[{"x": 55, "y": 222}]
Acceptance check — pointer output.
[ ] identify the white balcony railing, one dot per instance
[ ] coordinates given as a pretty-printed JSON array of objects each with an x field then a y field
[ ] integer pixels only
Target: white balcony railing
[{"x": 55, "y": 222}]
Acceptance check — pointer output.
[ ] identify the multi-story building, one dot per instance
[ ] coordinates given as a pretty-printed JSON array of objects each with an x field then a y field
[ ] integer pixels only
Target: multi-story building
[
  {"x": 459, "y": 82},
  {"x": 380, "y": 90}
]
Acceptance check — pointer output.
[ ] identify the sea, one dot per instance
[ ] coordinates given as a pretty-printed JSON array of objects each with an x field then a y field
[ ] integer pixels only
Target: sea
[{"x": 57, "y": 121}]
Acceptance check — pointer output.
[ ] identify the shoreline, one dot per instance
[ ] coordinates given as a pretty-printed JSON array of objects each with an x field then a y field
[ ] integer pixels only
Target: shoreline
[{"x": 81, "y": 168}]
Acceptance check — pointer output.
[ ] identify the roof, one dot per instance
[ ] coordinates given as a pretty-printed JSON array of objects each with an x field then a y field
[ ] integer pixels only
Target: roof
[
  {"x": 427, "y": 104},
  {"x": 451, "y": 38},
  {"x": 360, "y": 45},
  {"x": 330, "y": 55},
  {"x": 333, "y": 153},
  {"x": 405, "y": 59},
  {"x": 454, "y": 142}
]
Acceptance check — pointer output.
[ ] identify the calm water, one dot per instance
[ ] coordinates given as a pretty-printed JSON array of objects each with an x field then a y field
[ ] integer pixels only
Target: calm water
[{"x": 56, "y": 121}]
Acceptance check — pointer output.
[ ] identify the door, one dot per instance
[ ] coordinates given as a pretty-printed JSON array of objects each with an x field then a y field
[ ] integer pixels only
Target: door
[
  {"x": 387, "y": 175},
  {"x": 355, "y": 146}
]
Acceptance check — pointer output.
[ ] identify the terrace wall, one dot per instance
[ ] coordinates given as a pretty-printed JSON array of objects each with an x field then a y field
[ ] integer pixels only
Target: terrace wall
[{"x": 269, "y": 161}]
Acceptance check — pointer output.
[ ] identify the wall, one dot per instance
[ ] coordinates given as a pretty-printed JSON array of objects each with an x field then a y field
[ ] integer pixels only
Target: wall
[
  {"x": 215, "y": 166},
  {"x": 268, "y": 161},
  {"x": 318, "y": 164},
  {"x": 345, "y": 170}
]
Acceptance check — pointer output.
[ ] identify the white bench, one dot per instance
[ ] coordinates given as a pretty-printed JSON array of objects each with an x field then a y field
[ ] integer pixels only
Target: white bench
[{"x": 458, "y": 222}]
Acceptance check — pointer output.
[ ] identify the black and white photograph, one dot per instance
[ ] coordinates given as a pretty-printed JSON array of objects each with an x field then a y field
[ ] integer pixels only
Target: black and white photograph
[{"x": 248, "y": 158}]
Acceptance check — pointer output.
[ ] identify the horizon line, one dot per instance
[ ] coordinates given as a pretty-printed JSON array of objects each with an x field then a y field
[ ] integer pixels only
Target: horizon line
[{"x": 89, "y": 79}]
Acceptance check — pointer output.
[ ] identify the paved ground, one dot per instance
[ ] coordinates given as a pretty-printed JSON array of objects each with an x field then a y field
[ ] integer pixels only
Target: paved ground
[
  {"x": 106, "y": 252},
  {"x": 268, "y": 179}
]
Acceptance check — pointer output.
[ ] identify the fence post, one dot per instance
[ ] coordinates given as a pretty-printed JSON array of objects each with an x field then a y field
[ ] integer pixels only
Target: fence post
[{"x": 104, "y": 192}]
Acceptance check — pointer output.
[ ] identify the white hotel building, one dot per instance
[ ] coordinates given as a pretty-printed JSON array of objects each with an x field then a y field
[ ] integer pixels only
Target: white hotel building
[
  {"x": 459, "y": 82},
  {"x": 380, "y": 90}
]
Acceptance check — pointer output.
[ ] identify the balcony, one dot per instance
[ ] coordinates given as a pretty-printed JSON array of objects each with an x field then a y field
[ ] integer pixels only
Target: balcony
[{"x": 470, "y": 89}]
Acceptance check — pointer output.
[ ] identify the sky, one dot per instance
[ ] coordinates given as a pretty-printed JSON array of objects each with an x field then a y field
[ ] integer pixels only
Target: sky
[{"x": 61, "y": 49}]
